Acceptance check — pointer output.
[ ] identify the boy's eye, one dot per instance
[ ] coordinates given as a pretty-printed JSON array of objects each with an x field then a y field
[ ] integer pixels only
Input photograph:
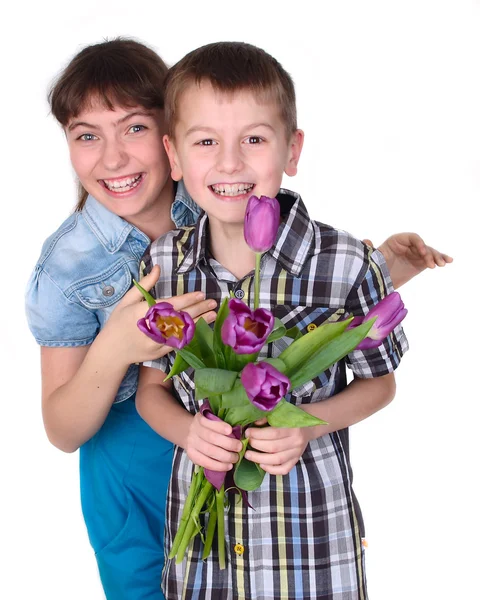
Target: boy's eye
[
  {"x": 253, "y": 139},
  {"x": 136, "y": 128},
  {"x": 87, "y": 137},
  {"x": 206, "y": 142}
]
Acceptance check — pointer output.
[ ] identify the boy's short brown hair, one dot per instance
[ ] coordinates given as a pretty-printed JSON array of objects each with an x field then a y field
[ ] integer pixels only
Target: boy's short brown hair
[
  {"x": 120, "y": 72},
  {"x": 231, "y": 67}
]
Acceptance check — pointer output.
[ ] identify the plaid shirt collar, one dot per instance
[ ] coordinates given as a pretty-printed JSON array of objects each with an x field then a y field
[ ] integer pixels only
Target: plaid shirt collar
[{"x": 294, "y": 244}]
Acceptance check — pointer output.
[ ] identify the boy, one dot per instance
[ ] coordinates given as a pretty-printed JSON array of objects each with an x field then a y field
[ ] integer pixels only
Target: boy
[{"x": 231, "y": 118}]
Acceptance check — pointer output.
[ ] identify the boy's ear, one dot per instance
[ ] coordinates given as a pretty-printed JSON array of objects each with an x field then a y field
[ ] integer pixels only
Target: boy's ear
[
  {"x": 295, "y": 146},
  {"x": 172, "y": 157}
]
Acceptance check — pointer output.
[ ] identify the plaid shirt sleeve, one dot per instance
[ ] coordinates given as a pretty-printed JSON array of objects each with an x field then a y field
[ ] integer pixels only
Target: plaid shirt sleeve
[{"x": 374, "y": 285}]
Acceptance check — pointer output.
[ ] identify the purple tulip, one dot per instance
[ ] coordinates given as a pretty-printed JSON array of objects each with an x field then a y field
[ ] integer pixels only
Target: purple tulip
[
  {"x": 264, "y": 385},
  {"x": 262, "y": 219},
  {"x": 165, "y": 325},
  {"x": 389, "y": 312},
  {"x": 217, "y": 478},
  {"x": 246, "y": 331}
]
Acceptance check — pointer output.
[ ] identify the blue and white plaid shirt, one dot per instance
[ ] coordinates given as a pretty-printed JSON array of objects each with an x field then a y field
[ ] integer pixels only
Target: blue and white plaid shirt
[{"x": 303, "y": 539}]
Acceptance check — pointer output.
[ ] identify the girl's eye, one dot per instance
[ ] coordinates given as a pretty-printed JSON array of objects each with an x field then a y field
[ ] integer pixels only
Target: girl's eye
[
  {"x": 254, "y": 139},
  {"x": 206, "y": 142},
  {"x": 136, "y": 128},
  {"x": 87, "y": 137}
]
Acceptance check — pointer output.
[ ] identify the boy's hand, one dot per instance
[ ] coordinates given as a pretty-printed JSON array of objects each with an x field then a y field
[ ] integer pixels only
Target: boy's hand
[
  {"x": 279, "y": 448},
  {"x": 407, "y": 255},
  {"x": 128, "y": 343},
  {"x": 209, "y": 446}
]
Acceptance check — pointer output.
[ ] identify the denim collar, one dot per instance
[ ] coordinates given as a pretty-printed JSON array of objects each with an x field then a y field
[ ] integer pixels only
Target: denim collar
[
  {"x": 294, "y": 245},
  {"x": 112, "y": 231}
]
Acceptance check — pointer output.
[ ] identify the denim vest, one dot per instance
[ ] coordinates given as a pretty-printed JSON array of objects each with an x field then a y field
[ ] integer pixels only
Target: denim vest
[{"x": 84, "y": 270}]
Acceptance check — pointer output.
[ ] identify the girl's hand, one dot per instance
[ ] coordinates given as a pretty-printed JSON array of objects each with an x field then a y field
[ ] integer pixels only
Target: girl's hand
[
  {"x": 129, "y": 344},
  {"x": 209, "y": 446},
  {"x": 407, "y": 255},
  {"x": 278, "y": 448}
]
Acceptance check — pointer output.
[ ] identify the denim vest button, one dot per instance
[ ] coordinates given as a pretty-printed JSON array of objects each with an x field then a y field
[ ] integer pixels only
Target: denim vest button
[
  {"x": 239, "y": 294},
  {"x": 108, "y": 290}
]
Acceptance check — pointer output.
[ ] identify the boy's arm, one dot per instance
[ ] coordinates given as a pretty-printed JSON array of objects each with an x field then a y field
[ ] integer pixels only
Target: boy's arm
[
  {"x": 279, "y": 449},
  {"x": 407, "y": 255},
  {"x": 206, "y": 442}
]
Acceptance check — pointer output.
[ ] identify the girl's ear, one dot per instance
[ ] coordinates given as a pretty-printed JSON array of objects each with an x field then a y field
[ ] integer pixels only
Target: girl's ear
[
  {"x": 295, "y": 146},
  {"x": 172, "y": 157}
]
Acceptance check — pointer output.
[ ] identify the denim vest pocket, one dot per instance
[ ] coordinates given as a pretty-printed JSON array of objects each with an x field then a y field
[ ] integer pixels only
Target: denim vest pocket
[{"x": 106, "y": 289}]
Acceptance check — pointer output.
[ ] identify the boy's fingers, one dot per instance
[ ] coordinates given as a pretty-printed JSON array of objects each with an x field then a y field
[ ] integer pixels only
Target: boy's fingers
[{"x": 368, "y": 242}]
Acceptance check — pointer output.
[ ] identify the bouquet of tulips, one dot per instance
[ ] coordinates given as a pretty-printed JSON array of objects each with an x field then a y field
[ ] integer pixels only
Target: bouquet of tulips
[{"x": 236, "y": 387}]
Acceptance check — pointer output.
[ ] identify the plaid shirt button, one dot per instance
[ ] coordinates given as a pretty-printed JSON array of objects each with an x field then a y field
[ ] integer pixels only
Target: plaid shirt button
[
  {"x": 311, "y": 327},
  {"x": 239, "y": 294},
  {"x": 239, "y": 549}
]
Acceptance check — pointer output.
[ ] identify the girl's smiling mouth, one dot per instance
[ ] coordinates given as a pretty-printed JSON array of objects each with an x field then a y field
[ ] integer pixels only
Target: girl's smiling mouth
[{"x": 123, "y": 184}]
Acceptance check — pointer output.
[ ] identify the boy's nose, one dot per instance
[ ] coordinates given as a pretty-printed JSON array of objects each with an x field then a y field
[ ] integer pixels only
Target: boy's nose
[
  {"x": 230, "y": 160},
  {"x": 114, "y": 156}
]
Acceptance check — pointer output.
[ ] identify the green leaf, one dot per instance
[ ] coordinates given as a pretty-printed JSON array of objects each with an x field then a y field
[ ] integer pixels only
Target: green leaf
[
  {"x": 290, "y": 415},
  {"x": 237, "y": 396},
  {"x": 191, "y": 359},
  {"x": 148, "y": 297},
  {"x": 294, "y": 333},
  {"x": 236, "y": 362},
  {"x": 243, "y": 415},
  {"x": 247, "y": 475},
  {"x": 215, "y": 381},
  {"x": 329, "y": 354},
  {"x": 301, "y": 350},
  {"x": 277, "y": 363},
  {"x": 179, "y": 365},
  {"x": 279, "y": 330},
  {"x": 218, "y": 345},
  {"x": 204, "y": 338}
]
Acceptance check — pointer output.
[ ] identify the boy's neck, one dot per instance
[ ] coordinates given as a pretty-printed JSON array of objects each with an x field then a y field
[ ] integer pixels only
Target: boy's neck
[{"x": 228, "y": 246}]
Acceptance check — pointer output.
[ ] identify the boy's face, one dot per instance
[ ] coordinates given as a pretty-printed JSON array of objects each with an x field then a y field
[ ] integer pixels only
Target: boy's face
[
  {"x": 228, "y": 148},
  {"x": 119, "y": 158}
]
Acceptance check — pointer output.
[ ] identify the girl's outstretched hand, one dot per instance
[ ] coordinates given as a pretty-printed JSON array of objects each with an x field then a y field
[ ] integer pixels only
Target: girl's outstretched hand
[
  {"x": 129, "y": 344},
  {"x": 407, "y": 255}
]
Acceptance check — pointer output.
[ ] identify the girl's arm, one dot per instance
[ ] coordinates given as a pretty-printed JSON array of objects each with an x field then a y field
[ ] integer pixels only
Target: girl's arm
[
  {"x": 79, "y": 385},
  {"x": 407, "y": 255},
  {"x": 206, "y": 442}
]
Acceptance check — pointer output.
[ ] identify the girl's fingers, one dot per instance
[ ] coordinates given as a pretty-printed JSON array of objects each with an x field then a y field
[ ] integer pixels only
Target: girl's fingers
[{"x": 133, "y": 295}]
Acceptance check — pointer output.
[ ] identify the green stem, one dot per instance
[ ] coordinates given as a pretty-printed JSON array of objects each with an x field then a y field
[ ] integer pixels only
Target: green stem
[
  {"x": 197, "y": 479},
  {"x": 212, "y": 523},
  {"x": 190, "y": 528},
  {"x": 221, "y": 526},
  {"x": 256, "y": 301}
]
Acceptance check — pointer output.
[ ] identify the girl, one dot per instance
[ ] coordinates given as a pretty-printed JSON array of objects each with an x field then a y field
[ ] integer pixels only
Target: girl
[{"x": 109, "y": 101}]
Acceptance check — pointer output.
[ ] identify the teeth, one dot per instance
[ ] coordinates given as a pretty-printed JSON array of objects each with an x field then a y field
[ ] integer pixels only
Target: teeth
[
  {"x": 122, "y": 184},
  {"x": 232, "y": 189}
]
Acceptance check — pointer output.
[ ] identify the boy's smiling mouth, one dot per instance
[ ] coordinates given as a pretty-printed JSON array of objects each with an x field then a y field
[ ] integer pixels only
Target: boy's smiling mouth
[
  {"x": 123, "y": 184},
  {"x": 232, "y": 189}
]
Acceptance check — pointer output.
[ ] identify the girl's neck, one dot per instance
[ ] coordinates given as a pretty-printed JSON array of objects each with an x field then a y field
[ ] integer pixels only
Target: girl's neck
[{"x": 157, "y": 220}]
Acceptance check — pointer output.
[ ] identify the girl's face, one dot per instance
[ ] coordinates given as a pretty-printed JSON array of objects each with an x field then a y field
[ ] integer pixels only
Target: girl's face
[{"x": 119, "y": 158}]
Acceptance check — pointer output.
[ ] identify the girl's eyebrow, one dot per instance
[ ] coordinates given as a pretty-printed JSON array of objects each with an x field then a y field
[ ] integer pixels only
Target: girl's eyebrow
[{"x": 135, "y": 113}]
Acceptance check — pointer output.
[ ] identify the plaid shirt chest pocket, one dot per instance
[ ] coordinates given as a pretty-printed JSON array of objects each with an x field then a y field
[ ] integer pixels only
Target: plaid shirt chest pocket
[{"x": 308, "y": 318}]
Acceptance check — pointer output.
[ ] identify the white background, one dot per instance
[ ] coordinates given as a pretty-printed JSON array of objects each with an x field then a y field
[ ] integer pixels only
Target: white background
[{"x": 389, "y": 98}]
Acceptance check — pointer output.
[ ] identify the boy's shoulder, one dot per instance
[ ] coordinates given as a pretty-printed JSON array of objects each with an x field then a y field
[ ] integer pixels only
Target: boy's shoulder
[{"x": 307, "y": 239}]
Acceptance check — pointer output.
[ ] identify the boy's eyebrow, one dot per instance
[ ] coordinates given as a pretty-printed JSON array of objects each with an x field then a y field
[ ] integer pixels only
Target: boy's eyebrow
[
  {"x": 134, "y": 113},
  {"x": 197, "y": 128}
]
